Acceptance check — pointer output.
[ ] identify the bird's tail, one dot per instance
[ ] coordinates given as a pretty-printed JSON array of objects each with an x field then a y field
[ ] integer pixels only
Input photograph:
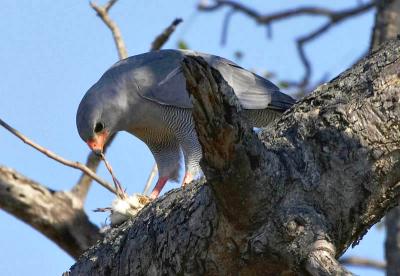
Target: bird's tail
[{"x": 261, "y": 117}]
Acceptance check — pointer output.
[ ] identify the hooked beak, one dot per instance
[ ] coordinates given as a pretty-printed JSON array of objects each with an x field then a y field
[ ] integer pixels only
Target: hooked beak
[{"x": 96, "y": 143}]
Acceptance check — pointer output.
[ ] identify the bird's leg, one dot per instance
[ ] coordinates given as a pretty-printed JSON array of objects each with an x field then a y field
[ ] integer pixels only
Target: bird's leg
[
  {"x": 159, "y": 186},
  {"x": 187, "y": 179}
]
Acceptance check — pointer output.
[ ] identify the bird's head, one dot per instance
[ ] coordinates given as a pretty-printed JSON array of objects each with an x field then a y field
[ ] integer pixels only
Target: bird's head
[{"x": 99, "y": 116}]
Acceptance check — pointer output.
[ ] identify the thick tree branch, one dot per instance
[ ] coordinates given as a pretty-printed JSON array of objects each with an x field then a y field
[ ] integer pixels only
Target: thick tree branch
[
  {"x": 312, "y": 186},
  {"x": 57, "y": 215}
]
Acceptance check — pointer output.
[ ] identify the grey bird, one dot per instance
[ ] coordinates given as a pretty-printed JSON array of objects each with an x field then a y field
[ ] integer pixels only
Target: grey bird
[{"x": 146, "y": 96}]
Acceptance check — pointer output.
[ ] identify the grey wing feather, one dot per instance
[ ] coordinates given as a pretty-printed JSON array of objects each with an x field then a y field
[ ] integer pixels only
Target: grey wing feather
[
  {"x": 253, "y": 91},
  {"x": 168, "y": 85},
  {"x": 159, "y": 77}
]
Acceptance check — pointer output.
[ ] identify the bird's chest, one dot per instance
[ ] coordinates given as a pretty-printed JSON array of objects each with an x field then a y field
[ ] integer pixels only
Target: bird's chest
[{"x": 150, "y": 135}]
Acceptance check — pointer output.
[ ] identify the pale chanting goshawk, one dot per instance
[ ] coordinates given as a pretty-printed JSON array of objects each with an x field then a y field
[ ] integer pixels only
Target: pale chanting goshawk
[{"x": 146, "y": 96}]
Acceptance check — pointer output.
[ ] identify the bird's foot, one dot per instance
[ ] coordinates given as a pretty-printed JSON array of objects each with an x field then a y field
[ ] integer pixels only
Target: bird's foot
[
  {"x": 187, "y": 179},
  {"x": 159, "y": 186}
]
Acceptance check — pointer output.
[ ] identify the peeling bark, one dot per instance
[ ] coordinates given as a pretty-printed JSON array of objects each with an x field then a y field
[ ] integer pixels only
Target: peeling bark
[
  {"x": 57, "y": 215},
  {"x": 286, "y": 202}
]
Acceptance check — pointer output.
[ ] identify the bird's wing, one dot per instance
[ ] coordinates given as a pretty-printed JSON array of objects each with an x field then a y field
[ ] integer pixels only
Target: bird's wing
[
  {"x": 253, "y": 91},
  {"x": 161, "y": 80}
]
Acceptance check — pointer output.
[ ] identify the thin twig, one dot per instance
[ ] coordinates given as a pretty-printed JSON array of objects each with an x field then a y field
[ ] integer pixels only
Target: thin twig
[
  {"x": 265, "y": 19},
  {"x": 334, "y": 18},
  {"x": 81, "y": 188},
  {"x": 225, "y": 26},
  {"x": 58, "y": 158},
  {"x": 160, "y": 40},
  {"x": 120, "y": 192},
  {"x": 102, "y": 12},
  {"x": 358, "y": 261},
  {"x": 150, "y": 179}
]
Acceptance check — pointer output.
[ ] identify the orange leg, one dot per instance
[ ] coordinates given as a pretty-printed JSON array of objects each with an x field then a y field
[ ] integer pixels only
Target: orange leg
[
  {"x": 187, "y": 179},
  {"x": 159, "y": 186}
]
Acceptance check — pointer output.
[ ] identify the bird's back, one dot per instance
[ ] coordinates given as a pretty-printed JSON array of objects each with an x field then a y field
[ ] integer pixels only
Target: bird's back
[{"x": 158, "y": 76}]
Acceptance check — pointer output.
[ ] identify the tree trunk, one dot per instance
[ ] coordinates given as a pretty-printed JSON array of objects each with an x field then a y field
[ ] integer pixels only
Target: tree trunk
[
  {"x": 387, "y": 22},
  {"x": 387, "y": 26},
  {"x": 288, "y": 201}
]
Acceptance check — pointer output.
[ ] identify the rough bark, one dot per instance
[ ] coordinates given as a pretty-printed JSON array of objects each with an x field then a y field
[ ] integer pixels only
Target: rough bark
[
  {"x": 57, "y": 215},
  {"x": 289, "y": 201}
]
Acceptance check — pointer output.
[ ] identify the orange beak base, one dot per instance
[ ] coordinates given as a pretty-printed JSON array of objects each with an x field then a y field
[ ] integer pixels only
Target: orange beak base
[{"x": 97, "y": 142}]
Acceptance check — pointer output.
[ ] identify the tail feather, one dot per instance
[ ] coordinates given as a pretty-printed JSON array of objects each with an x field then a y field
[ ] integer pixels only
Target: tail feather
[{"x": 261, "y": 117}]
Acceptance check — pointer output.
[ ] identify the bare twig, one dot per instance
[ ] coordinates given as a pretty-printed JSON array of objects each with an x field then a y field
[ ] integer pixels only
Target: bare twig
[
  {"x": 358, "y": 261},
  {"x": 334, "y": 18},
  {"x": 58, "y": 158},
  {"x": 225, "y": 26},
  {"x": 110, "y": 3},
  {"x": 265, "y": 19},
  {"x": 102, "y": 12},
  {"x": 81, "y": 188},
  {"x": 160, "y": 40},
  {"x": 120, "y": 192},
  {"x": 150, "y": 179}
]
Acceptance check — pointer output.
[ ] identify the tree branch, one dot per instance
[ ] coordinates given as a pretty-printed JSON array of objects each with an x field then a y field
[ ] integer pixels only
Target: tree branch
[
  {"x": 313, "y": 185},
  {"x": 57, "y": 215},
  {"x": 357, "y": 261},
  {"x": 269, "y": 18},
  {"x": 160, "y": 40},
  {"x": 102, "y": 12},
  {"x": 52, "y": 155},
  {"x": 334, "y": 17},
  {"x": 82, "y": 187}
]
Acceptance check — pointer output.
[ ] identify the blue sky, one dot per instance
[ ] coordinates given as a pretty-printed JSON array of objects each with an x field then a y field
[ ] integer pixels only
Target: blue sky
[{"x": 53, "y": 51}]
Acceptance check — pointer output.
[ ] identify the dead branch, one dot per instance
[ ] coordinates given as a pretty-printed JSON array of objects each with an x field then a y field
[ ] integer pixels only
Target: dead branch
[
  {"x": 334, "y": 17},
  {"x": 358, "y": 261},
  {"x": 81, "y": 188},
  {"x": 160, "y": 40},
  {"x": 58, "y": 158},
  {"x": 57, "y": 215},
  {"x": 102, "y": 12}
]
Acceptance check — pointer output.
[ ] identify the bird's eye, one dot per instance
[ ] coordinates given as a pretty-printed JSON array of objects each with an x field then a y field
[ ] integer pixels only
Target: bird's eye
[{"x": 99, "y": 127}]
